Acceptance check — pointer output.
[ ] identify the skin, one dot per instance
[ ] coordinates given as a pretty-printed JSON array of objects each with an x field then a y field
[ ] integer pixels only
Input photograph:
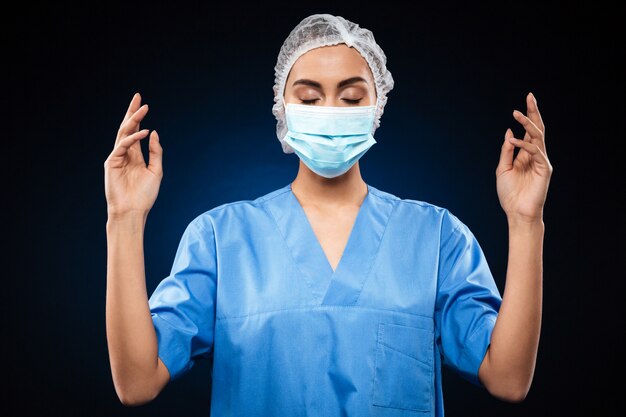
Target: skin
[
  {"x": 522, "y": 185},
  {"x": 131, "y": 188},
  {"x": 331, "y": 205}
]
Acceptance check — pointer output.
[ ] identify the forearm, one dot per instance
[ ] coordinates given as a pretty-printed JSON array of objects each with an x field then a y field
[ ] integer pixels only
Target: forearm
[
  {"x": 130, "y": 332},
  {"x": 513, "y": 351}
]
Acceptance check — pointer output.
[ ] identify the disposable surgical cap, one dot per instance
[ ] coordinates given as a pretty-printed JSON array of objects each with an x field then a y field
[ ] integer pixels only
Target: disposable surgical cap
[{"x": 324, "y": 30}]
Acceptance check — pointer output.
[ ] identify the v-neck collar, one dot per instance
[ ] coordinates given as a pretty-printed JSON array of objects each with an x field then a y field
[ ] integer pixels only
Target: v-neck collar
[{"x": 343, "y": 285}]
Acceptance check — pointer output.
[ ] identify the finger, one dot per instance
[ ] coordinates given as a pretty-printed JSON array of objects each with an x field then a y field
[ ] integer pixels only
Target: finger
[
  {"x": 132, "y": 108},
  {"x": 535, "y": 151},
  {"x": 533, "y": 133},
  {"x": 156, "y": 154},
  {"x": 132, "y": 124},
  {"x": 122, "y": 147},
  {"x": 135, "y": 103},
  {"x": 531, "y": 128},
  {"x": 506, "y": 154},
  {"x": 533, "y": 112},
  {"x": 136, "y": 145}
]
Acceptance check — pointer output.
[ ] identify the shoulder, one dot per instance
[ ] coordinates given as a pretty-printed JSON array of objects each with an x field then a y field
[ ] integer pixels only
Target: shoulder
[
  {"x": 447, "y": 221},
  {"x": 437, "y": 222},
  {"x": 235, "y": 210}
]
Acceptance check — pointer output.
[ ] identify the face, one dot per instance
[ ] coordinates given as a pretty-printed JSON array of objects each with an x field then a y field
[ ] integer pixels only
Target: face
[{"x": 334, "y": 75}]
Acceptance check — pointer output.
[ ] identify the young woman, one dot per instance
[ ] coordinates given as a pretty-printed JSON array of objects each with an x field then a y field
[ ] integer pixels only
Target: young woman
[{"x": 326, "y": 297}]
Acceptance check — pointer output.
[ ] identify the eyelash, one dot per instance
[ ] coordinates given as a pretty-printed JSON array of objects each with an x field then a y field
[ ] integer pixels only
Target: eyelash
[{"x": 347, "y": 100}]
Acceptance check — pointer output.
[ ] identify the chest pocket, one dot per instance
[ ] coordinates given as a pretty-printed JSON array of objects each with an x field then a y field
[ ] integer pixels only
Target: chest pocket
[{"x": 403, "y": 375}]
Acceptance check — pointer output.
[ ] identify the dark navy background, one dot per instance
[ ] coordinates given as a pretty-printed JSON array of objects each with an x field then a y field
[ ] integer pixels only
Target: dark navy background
[{"x": 207, "y": 72}]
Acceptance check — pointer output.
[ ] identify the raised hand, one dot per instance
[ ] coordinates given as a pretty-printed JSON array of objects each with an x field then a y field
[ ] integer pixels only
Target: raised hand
[
  {"x": 522, "y": 182},
  {"x": 130, "y": 185}
]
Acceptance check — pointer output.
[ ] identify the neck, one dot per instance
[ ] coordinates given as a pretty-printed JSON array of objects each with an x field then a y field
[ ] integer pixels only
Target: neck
[{"x": 346, "y": 189}]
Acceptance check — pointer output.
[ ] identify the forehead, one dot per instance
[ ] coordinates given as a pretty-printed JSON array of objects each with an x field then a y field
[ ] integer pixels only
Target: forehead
[{"x": 334, "y": 62}]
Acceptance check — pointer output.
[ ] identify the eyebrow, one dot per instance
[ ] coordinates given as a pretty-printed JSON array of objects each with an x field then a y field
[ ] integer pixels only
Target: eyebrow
[{"x": 340, "y": 84}]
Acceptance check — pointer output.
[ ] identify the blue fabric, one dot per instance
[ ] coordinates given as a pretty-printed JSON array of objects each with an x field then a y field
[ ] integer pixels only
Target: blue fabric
[{"x": 252, "y": 289}]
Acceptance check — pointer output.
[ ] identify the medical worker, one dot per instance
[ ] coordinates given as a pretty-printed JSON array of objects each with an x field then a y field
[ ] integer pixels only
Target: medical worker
[{"x": 325, "y": 297}]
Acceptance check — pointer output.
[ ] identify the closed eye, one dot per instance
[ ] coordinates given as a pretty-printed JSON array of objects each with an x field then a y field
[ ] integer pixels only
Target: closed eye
[{"x": 347, "y": 100}]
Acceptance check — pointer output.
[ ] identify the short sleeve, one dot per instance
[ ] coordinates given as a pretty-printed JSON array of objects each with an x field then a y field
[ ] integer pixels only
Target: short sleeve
[
  {"x": 467, "y": 302},
  {"x": 183, "y": 304}
]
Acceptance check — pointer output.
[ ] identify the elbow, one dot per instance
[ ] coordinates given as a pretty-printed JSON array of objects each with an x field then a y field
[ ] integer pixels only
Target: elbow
[
  {"x": 135, "y": 389},
  {"x": 514, "y": 396},
  {"x": 510, "y": 394},
  {"x": 133, "y": 399},
  {"x": 128, "y": 400},
  {"x": 508, "y": 386},
  {"x": 133, "y": 395}
]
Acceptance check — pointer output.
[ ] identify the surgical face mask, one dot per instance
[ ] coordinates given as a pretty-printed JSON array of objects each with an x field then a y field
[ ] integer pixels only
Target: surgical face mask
[{"x": 329, "y": 140}]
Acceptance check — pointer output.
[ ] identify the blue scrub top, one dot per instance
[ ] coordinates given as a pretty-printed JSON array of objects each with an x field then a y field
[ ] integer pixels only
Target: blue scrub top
[{"x": 251, "y": 289}]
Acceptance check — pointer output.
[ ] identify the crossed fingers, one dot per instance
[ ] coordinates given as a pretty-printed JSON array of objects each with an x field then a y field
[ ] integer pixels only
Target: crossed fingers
[
  {"x": 533, "y": 124},
  {"x": 131, "y": 122}
]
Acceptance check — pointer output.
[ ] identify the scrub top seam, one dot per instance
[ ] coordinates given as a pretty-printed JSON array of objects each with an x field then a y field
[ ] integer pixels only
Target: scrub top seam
[
  {"x": 488, "y": 322},
  {"x": 278, "y": 192},
  {"x": 382, "y": 236},
  {"x": 321, "y": 307},
  {"x": 200, "y": 226},
  {"x": 266, "y": 198},
  {"x": 441, "y": 281},
  {"x": 382, "y": 195},
  {"x": 269, "y": 212},
  {"x": 257, "y": 201},
  {"x": 424, "y": 204},
  {"x": 214, "y": 239},
  {"x": 389, "y": 196},
  {"x": 169, "y": 323},
  {"x": 388, "y": 346}
]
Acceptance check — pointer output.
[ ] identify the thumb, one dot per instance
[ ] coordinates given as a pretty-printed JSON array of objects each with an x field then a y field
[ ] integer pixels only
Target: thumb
[
  {"x": 506, "y": 154},
  {"x": 156, "y": 154}
]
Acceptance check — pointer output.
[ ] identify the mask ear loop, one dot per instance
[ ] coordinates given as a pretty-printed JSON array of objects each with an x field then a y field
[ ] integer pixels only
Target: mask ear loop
[{"x": 282, "y": 98}]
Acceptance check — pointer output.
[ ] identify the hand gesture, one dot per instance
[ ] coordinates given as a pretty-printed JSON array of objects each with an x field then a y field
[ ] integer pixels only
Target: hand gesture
[
  {"x": 131, "y": 186},
  {"x": 522, "y": 182}
]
